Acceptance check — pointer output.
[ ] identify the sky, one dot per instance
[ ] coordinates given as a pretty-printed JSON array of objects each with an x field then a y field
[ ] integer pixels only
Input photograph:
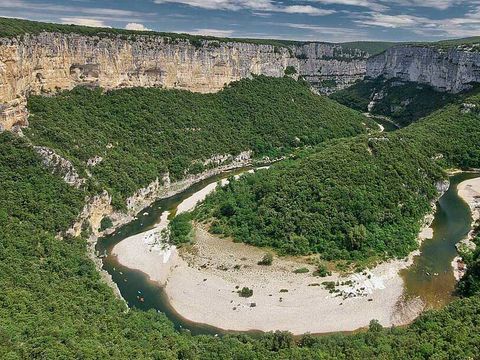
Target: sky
[{"x": 308, "y": 20}]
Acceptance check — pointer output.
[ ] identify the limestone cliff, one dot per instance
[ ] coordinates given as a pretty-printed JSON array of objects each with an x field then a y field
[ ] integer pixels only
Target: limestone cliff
[
  {"x": 48, "y": 62},
  {"x": 60, "y": 166},
  {"x": 452, "y": 70}
]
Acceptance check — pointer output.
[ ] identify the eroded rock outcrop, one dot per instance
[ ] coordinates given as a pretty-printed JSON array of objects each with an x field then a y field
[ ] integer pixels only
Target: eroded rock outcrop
[
  {"x": 60, "y": 166},
  {"x": 452, "y": 70},
  {"x": 48, "y": 62}
]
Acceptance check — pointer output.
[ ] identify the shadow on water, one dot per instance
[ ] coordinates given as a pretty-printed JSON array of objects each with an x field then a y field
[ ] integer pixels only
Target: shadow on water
[{"x": 431, "y": 276}]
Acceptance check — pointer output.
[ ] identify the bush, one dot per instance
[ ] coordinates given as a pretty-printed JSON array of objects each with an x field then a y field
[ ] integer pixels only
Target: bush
[
  {"x": 290, "y": 70},
  {"x": 181, "y": 230},
  {"x": 322, "y": 271},
  {"x": 245, "y": 292},
  {"x": 106, "y": 223},
  {"x": 302, "y": 270},
  {"x": 266, "y": 260}
]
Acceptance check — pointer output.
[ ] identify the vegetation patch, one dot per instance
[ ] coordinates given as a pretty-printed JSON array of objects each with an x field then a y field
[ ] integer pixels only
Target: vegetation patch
[
  {"x": 403, "y": 102},
  {"x": 245, "y": 292},
  {"x": 302, "y": 270},
  {"x": 360, "y": 199},
  {"x": 266, "y": 260},
  {"x": 322, "y": 271},
  {"x": 290, "y": 70},
  {"x": 142, "y": 133},
  {"x": 181, "y": 229}
]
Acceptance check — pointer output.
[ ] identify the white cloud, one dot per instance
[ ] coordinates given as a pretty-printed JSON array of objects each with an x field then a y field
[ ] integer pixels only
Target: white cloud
[
  {"x": 254, "y": 5},
  {"x": 70, "y": 10},
  {"x": 83, "y": 22},
  {"x": 451, "y": 27},
  {"x": 389, "y": 21},
  {"x": 212, "y": 32},
  {"x": 327, "y": 33},
  {"x": 305, "y": 9},
  {"x": 374, "y": 5},
  {"x": 435, "y": 4},
  {"x": 137, "y": 27}
]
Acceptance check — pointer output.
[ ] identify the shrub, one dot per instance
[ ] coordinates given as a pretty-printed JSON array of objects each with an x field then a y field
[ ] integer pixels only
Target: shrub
[
  {"x": 290, "y": 70},
  {"x": 322, "y": 271},
  {"x": 181, "y": 230},
  {"x": 266, "y": 260},
  {"x": 245, "y": 292},
  {"x": 329, "y": 285},
  {"x": 302, "y": 270},
  {"x": 106, "y": 223}
]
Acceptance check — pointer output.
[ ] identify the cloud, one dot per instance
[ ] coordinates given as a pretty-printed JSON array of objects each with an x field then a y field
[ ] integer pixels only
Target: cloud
[
  {"x": 70, "y": 10},
  {"x": 435, "y": 4},
  {"x": 323, "y": 33},
  {"x": 389, "y": 21},
  {"x": 254, "y": 5},
  {"x": 137, "y": 27},
  {"x": 374, "y": 5},
  {"x": 83, "y": 22},
  {"x": 212, "y": 32},
  {"x": 469, "y": 25},
  {"x": 305, "y": 9}
]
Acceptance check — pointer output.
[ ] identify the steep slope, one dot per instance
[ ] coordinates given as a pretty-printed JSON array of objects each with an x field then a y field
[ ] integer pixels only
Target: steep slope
[
  {"x": 351, "y": 199},
  {"x": 450, "y": 67},
  {"x": 124, "y": 140},
  {"x": 402, "y": 101},
  {"x": 54, "y": 305},
  {"x": 38, "y": 58}
]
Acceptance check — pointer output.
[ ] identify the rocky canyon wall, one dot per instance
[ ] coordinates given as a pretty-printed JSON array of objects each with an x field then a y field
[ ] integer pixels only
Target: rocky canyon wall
[
  {"x": 48, "y": 62},
  {"x": 452, "y": 70}
]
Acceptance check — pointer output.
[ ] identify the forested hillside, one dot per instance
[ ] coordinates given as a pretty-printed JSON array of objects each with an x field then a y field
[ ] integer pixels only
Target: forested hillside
[
  {"x": 403, "y": 102},
  {"x": 354, "y": 199},
  {"x": 53, "y": 304},
  {"x": 142, "y": 133}
]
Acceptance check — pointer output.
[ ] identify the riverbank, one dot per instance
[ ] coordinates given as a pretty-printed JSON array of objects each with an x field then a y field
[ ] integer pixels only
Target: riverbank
[
  {"x": 214, "y": 269},
  {"x": 469, "y": 191},
  {"x": 99, "y": 207}
]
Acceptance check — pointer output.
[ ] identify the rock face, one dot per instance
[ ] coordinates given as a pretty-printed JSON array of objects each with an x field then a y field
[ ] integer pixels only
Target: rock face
[
  {"x": 48, "y": 62},
  {"x": 329, "y": 67},
  {"x": 59, "y": 165},
  {"x": 451, "y": 70}
]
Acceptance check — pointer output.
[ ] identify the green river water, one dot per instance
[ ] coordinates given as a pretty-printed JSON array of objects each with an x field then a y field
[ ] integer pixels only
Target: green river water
[{"x": 430, "y": 277}]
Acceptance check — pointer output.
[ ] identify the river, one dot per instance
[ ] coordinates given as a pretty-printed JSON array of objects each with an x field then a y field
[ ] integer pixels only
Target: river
[
  {"x": 135, "y": 286},
  {"x": 430, "y": 277}
]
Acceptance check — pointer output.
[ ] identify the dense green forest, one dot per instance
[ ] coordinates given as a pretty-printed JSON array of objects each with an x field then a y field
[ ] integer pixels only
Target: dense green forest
[
  {"x": 141, "y": 133},
  {"x": 354, "y": 199},
  {"x": 402, "y": 102},
  {"x": 53, "y": 304}
]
